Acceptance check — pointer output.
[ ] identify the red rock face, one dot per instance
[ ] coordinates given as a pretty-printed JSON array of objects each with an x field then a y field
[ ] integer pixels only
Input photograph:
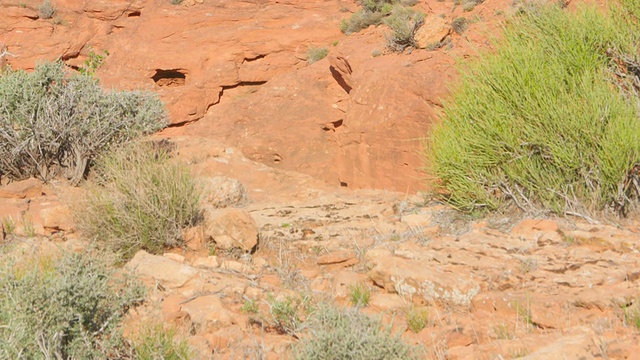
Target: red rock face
[{"x": 237, "y": 72}]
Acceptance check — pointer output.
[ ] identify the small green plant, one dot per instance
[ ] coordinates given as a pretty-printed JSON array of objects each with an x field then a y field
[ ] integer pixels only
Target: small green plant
[
  {"x": 9, "y": 225},
  {"x": 139, "y": 199},
  {"x": 93, "y": 62},
  {"x": 361, "y": 19},
  {"x": 286, "y": 313},
  {"x": 348, "y": 334},
  {"x": 528, "y": 265},
  {"x": 335, "y": 43},
  {"x": 67, "y": 306},
  {"x": 23, "y": 5},
  {"x": 632, "y": 314},
  {"x": 316, "y": 54},
  {"x": 404, "y": 22},
  {"x": 176, "y": 2},
  {"x": 417, "y": 319},
  {"x": 524, "y": 311},
  {"x": 27, "y": 226},
  {"x": 376, "y": 53},
  {"x": 502, "y": 332},
  {"x": 249, "y": 307},
  {"x": 359, "y": 295},
  {"x": 213, "y": 250},
  {"x": 47, "y": 9},
  {"x": 157, "y": 341},
  {"x": 459, "y": 25}
]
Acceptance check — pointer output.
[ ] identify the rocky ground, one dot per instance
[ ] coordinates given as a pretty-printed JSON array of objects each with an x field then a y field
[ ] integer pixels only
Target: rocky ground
[{"x": 330, "y": 161}]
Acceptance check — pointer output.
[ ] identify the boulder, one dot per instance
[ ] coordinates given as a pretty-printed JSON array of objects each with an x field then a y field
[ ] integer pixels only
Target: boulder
[
  {"x": 417, "y": 280},
  {"x": 167, "y": 272},
  {"x": 432, "y": 33},
  {"x": 208, "y": 312},
  {"x": 29, "y": 188},
  {"x": 231, "y": 228}
]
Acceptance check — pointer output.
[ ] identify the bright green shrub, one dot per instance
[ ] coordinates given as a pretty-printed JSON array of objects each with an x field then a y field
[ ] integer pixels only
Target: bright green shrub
[
  {"x": 139, "y": 199},
  {"x": 541, "y": 123},
  {"x": 63, "y": 307},
  {"x": 349, "y": 334},
  {"x": 156, "y": 341},
  {"x": 54, "y": 123}
]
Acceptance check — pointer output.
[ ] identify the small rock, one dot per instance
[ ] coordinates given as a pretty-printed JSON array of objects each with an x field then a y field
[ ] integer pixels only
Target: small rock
[
  {"x": 341, "y": 71},
  {"x": 576, "y": 347},
  {"x": 234, "y": 266},
  {"x": 57, "y": 218},
  {"x": 415, "y": 279},
  {"x": 208, "y": 312},
  {"x": 209, "y": 262},
  {"x": 459, "y": 338},
  {"x": 231, "y": 228},
  {"x": 175, "y": 257},
  {"x": 224, "y": 192},
  {"x": 167, "y": 272},
  {"x": 29, "y": 188},
  {"x": 385, "y": 302},
  {"x": 432, "y": 32},
  {"x": 343, "y": 281}
]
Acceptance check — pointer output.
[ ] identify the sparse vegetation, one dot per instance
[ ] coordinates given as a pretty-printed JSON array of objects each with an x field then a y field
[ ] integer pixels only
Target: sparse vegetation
[
  {"x": 249, "y": 307},
  {"x": 93, "y": 62},
  {"x": 156, "y": 341},
  {"x": 288, "y": 314},
  {"x": 372, "y": 13},
  {"x": 53, "y": 123},
  {"x": 404, "y": 22},
  {"x": 540, "y": 124},
  {"x": 139, "y": 199},
  {"x": 316, "y": 54},
  {"x": 359, "y": 295},
  {"x": 459, "y": 25},
  {"x": 47, "y": 9},
  {"x": 9, "y": 225},
  {"x": 417, "y": 319},
  {"x": 502, "y": 331},
  {"x": 62, "y": 307},
  {"x": 348, "y": 334}
]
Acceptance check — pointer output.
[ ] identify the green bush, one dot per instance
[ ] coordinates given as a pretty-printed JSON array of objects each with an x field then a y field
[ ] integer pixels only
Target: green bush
[
  {"x": 540, "y": 123},
  {"x": 139, "y": 199},
  {"x": 361, "y": 19},
  {"x": 65, "y": 307},
  {"x": 316, "y": 54},
  {"x": 348, "y": 334},
  {"x": 404, "y": 22},
  {"x": 156, "y": 341},
  {"x": 459, "y": 25},
  {"x": 52, "y": 122},
  {"x": 372, "y": 13}
]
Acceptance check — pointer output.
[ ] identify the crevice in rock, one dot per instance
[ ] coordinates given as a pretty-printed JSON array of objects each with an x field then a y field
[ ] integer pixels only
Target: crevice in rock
[
  {"x": 134, "y": 14},
  {"x": 250, "y": 59},
  {"x": 170, "y": 77}
]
